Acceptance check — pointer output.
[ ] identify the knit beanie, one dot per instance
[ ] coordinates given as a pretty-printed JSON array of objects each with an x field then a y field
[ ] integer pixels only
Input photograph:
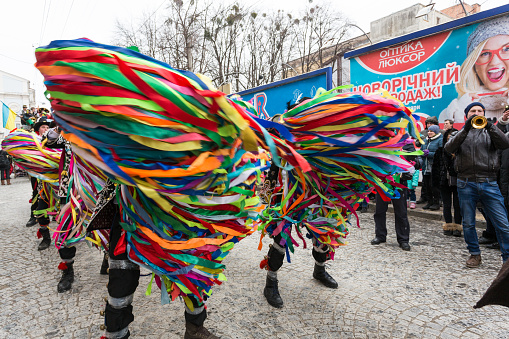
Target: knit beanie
[
  {"x": 475, "y": 103},
  {"x": 486, "y": 30},
  {"x": 434, "y": 128}
]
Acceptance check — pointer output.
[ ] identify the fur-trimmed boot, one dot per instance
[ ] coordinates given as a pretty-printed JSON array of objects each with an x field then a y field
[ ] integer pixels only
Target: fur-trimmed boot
[
  {"x": 456, "y": 230},
  {"x": 46, "y": 239},
  {"x": 67, "y": 279},
  {"x": 447, "y": 228}
]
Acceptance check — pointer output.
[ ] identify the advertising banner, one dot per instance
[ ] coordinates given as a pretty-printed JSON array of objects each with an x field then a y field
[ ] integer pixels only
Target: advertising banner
[
  {"x": 272, "y": 98},
  {"x": 441, "y": 74}
]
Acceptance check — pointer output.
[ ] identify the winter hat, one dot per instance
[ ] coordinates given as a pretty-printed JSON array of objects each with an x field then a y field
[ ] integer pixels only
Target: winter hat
[
  {"x": 434, "y": 128},
  {"x": 486, "y": 30},
  {"x": 432, "y": 120},
  {"x": 475, "y": 103}
]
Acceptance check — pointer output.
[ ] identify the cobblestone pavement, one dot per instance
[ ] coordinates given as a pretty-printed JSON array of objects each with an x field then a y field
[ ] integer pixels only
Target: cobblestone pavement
[{"x": 383, "y": 291}]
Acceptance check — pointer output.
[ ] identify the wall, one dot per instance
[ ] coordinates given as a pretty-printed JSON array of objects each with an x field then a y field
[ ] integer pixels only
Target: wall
[{"x": 404, "y": 22}]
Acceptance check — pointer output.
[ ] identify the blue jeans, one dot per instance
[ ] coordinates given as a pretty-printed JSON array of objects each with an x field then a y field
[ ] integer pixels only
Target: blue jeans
[{"x": 469, "y": 193}]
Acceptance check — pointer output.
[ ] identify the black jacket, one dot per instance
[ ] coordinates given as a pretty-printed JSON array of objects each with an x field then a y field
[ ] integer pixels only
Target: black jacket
[
  {"x": 443, "y": 164},
  {"x": 476, "y": 152},
  {"x": 5, "y": 160},
  {"x": 503, "y": 181}
]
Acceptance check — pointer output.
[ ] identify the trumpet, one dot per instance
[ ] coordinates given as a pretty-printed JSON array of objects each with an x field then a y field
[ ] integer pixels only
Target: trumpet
[{"x": 479, "y": 122}]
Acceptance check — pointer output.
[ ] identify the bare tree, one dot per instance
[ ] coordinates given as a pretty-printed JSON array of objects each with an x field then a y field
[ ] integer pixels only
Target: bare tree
[
  {"x": 230, "y": 43},
  {"x": 225, "y": 44},
  {"x": 318, "y": 34}
]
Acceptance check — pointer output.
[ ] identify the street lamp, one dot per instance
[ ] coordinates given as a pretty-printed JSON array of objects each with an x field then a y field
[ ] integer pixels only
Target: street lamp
[
  {"x": 367, "y": 36},
  {"x": 293, "y": 69}
]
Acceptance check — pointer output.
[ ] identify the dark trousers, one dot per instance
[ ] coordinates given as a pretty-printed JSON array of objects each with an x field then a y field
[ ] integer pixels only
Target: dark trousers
[
  {"x": 67, "y": 253},
  {"x": 450, "y": 200},
  {"x": 4, "y": 173},
  {"x": 432, "y": 192},
  {"x": 400, "y": 214},
  {"x": 42, "y": 205},
  {"x": 490, "y": 232},
  {"x": 33, "y": 183},
  {"x": 276, "y": 258},
  {"x": 123, "y": 282}
]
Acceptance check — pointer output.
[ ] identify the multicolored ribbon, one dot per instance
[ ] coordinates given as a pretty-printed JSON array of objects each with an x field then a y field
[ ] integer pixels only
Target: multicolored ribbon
[
  {"x": 85, "y": 183},
  {"x": 29, "y": 153},
  {"x": 352, "y": 142},
  {"x": 188, "y": 159}
]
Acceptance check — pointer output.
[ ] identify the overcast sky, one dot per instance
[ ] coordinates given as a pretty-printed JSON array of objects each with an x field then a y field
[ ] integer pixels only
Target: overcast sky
[{"x": 27, "y": 24}]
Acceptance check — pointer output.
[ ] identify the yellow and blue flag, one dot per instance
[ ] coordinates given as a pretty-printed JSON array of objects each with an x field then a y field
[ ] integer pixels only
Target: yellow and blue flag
[{"x": 8, "y": 117}]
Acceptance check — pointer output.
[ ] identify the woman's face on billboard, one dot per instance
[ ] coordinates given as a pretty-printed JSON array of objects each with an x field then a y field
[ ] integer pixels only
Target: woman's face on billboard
[{"x": 492, "y": 65}]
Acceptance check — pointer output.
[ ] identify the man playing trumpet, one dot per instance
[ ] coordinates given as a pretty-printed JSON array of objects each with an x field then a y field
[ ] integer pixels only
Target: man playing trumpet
[{"x": 477, "y": 164}]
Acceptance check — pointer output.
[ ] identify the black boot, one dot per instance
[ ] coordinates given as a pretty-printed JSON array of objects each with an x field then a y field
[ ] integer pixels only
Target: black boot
[
  {"x": 271, "y": 293},
  {"x": 31, "y": 222},
  {"x": 197, "y": 332},
  {"x": 46, "y": 240},
  {"x": 67, "y": 279},
  {"x": 104, "y": 265},
  {"x": 322, "y": 276}
]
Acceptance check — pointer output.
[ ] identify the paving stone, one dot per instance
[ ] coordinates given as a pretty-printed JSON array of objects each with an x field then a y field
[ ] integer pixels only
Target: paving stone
[{"x": 383, "y": 291}]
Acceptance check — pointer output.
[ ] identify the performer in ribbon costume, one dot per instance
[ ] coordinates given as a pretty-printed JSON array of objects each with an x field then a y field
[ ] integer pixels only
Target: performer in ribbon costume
[
  {"x": 353, "y": 143},
  {"x": 41, "y": 163},
  {"x": 79, "y": 185},
  {"x": 47, "y": 157},
  {"x": 186, "y": 161}
]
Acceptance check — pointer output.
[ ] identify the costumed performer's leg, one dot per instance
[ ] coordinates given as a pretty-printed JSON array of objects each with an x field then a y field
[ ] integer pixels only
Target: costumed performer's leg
[
  {"x": 43, "y": 224},
  {"x": 195, "y": 319},
  {"x": 275, "y": 258},
  {"x": 123, "y": 281},
  {"x": 124, "y": 276},
  {"x": 67, "y": 255},
  {"x": 32, "y": 221},
  {"x": 321, "y": 254}
]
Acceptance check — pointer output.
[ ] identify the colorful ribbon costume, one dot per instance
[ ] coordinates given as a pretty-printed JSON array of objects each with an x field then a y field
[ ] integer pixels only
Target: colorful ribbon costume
[
  {"x": 188, "y": 159},
  {"x": 31, "y": 155},
  {"x": 352, "y": 142}
]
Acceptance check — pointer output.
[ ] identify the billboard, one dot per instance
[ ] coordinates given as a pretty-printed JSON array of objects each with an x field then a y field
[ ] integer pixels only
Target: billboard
[
  {"x": 439, "y": 74},
  {"x": 272, "y": 98}
]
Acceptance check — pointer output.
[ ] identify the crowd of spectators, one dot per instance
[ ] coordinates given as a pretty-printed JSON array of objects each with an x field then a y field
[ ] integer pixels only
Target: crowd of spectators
[
  {"x": 30, "y": 116},
  {"x": 464, "y": 171}
]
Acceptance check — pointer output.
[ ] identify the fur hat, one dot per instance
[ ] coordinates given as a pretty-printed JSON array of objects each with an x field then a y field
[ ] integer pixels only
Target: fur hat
[
  {"x": 432, "y": 120},
  {"x": 475, "y": 103}
]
